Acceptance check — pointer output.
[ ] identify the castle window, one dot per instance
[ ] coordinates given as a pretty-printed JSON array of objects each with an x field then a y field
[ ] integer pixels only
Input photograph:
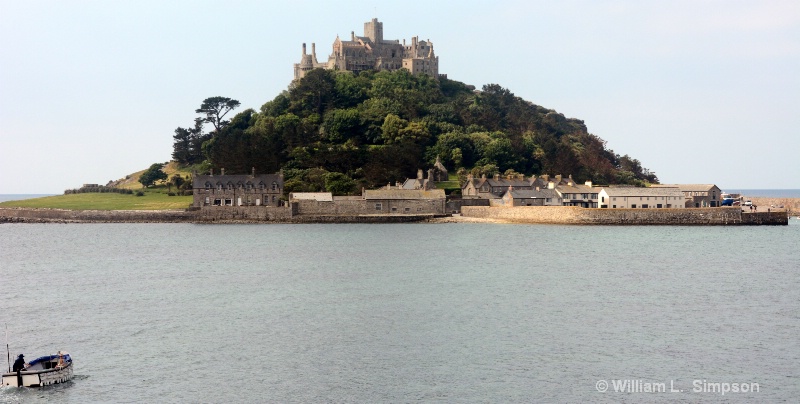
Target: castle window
[{"x": 274, "y": 185}]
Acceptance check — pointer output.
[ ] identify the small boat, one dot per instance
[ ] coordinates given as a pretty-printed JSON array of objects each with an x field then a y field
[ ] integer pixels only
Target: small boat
[{"x": 42, "y": 371}]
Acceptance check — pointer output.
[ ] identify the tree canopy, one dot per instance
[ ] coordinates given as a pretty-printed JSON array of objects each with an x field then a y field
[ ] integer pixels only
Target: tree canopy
[
  {"x": 153, "y": 174},
  {"x": 338, "y": 131},
  {"x": 215, "y": 108}
]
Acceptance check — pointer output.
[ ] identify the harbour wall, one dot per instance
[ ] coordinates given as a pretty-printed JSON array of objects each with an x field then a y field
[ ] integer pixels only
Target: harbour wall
[
  {"x": 577, "y": 215},
  {"x": 297, "y": 214},
  {"x": 41, "y": 215}
]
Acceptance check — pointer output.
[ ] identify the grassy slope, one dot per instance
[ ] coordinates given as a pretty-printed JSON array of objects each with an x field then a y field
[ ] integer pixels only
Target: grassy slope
[
  {"x": 155, "y": 198},
  {"x": 152, "y": 200}
]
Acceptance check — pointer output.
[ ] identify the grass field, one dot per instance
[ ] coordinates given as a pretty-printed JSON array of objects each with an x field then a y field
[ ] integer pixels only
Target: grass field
[{"x": 153, "y": 199}]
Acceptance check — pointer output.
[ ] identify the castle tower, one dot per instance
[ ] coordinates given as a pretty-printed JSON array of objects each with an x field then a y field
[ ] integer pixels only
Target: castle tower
[{"x": 374, "y": 30}]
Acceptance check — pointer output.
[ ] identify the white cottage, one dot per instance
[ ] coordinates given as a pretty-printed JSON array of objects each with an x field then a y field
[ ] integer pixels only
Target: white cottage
[{"x": 640, "y": 198}]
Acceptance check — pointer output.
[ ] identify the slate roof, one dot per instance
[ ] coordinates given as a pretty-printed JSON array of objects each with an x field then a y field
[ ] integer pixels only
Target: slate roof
[
  {"x": 635, "y": 191},
  {"x": 199, "y": 181},
  {"x": 534, "y": 194},
  {"x": 504, "y": 182},
  {"x": 687, "y": 187},
  {"x": 577, "y": 189},
  {"x": 399, "y": 194},
  {"x": 312, "y": 196}
]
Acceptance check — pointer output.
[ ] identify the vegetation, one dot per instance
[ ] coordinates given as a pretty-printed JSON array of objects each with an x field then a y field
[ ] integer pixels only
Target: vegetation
[
  {"x": 339, "y": 132},
  {"x": 153, "y": 174},
  {"x": 155, "y": 198}
]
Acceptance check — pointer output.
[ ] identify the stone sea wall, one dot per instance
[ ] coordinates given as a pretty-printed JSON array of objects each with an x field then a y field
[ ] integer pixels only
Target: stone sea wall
[
  {"x": 576, "y": 215},
  {"x": 36, "y": 215},
  {"x": 296, "y": 214}
]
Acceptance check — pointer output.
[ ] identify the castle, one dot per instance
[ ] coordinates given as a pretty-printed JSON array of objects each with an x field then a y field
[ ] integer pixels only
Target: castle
[{"x": 372, "y": 52}]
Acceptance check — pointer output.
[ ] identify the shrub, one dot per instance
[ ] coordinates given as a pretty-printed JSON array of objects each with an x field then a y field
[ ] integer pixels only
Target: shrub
[{"x": 139, "y": 193}]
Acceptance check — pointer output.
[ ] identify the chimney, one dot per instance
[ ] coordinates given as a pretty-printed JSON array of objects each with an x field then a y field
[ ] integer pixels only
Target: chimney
[
  {"x": 353, "y": 36},
  {"x": 551, "y": 185},
  {"x": 538, "y": 189},
  {"x": 558, "y": 178},
  {"x": 397, "y": 184},
  {"x": 588, "y": 183},
  {"x": 254, "y": 172},
  {"x": 483, "y": 176},
  {"x": 419, "y": 174},
  {"x": 223, "y": 171},
  {"x": 304, "y": 48},
  {"x": 546, "y": 177},
  {"x": 497, "y": 177},
  {"x": 430, "y": 174},
  {"x": 211, "y": 172}
]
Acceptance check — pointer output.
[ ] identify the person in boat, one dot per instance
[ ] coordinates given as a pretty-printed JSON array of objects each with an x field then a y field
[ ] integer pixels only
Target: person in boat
[
  {"x": 61, "y": 362},
  {"x": 19, "y": 364}
]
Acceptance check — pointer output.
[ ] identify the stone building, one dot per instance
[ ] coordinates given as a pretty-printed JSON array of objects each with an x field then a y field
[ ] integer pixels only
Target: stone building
[
  {"x": 237, "y": 190},
  {"x": 697, "y": 195},
  {"x": 531, "y": 197},
  {"x": 640, "y": 198},
  {"x": 372, "y": 52}
]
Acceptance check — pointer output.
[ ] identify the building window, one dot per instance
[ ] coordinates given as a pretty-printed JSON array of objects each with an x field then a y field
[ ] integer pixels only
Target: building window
[
  {"x": 659, "y": 206},
  {"x": 645, "y": 206},
  {"x": 614, "y": 206},
  {"x": 633, "y": 206},
  {"x": 378, "y": 206},
  {"x": 394, "y": 209},
  {"x": 407, "y": 210}
]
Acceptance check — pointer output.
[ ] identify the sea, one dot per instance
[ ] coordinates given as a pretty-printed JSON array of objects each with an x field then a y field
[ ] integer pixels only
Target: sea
[{"x": 389, "y": 313}]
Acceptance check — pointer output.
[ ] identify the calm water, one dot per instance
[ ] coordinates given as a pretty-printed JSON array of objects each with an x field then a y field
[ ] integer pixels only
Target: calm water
[{"x": 403, "y": 313}]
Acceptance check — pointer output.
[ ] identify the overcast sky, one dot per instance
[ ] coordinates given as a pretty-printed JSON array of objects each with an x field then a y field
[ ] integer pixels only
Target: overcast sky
[{"x": 698, "y": 91}]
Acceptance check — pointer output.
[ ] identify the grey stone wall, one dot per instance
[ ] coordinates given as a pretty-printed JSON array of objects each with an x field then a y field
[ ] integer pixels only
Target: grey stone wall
[
  {"x": 244, "y": 214},
  {"x": 576, "y": 215},
  {"x": 32, "y": 215},
  {"x": 367, "y": 207}
]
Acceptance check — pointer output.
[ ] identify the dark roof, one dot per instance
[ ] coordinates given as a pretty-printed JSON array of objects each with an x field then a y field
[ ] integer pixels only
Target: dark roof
[
  {"x": 534, "y": 194},
  {"x": 199, "y": 181}
]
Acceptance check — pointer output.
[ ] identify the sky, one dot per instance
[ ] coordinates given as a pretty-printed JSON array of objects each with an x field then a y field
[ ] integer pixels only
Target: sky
[{"x": 698, "y": 91}]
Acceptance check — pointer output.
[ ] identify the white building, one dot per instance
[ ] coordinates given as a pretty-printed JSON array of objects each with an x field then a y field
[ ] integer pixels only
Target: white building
[{"x": 640, "y": 198}]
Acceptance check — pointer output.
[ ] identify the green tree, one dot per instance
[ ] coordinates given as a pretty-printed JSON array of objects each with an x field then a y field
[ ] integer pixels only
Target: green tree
[
  {"x": 339, "y": 184},
  {"x": 215, "y": 108},
  {"x": 176, "y": 180},
  {"x": 153, "y": 174}
]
